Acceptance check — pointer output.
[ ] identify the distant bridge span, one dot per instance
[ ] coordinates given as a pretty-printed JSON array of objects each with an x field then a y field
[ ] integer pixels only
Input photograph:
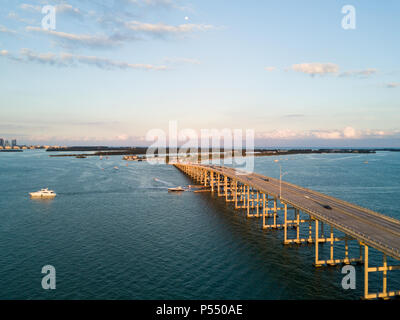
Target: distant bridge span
[{"x": 266, "y": 197}]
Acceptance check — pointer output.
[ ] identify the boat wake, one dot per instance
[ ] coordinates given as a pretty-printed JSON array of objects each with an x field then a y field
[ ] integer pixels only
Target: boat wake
[
  {"x": 114, "y": 191},
  {"x": 162, "y": 181}
]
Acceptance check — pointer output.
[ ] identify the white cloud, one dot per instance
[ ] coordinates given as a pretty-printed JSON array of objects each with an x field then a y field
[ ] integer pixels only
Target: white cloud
[
  {"x": 68, "y": 9},
  {"x": 133, "y": 30},
  {"x": 316, "y": 68},
  {"x": 327, "y": 135},
  {"x": 104, "y": 63},
  {"x": 122, "y": 137},
  {"x": 30, "y": 7},
  {"x": 49, "y": 58},
  {"x": 79, "y": 39},
  {"x": 270, "y": 69},
  {"x": 360, "y": 73},
  {"x": 346, "y": 133},
  {"x": 393, "y": 85},
  {"x": 161, "y": 28},
  {"x": 4, "y": 29},
  {"x": 71, "y": 60},
  {"x": 60, "y": 8},
  {"x": 14, "y": 16},
  {"x": 277, "y": 134},
  {"x": 166, "y": 3},
  {"x": 350, "y": 132},
  {"x": 175, "y": 4}
]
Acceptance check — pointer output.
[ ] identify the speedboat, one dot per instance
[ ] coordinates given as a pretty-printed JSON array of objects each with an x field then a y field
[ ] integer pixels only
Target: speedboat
[
  {"x": 177, "y": 189},
  {"x": 43, "y": 193}
]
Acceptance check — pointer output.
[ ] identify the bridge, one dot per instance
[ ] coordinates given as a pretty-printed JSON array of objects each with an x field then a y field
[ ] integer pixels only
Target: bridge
[{"x": 282, "y": 205}]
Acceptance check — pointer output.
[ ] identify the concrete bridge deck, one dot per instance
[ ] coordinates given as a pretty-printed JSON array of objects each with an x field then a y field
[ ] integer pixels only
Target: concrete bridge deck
[{"x": 369, "y": 228}]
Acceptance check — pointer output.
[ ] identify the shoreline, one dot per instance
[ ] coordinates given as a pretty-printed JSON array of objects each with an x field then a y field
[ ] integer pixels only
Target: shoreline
[{"x": 257, "y": 152}]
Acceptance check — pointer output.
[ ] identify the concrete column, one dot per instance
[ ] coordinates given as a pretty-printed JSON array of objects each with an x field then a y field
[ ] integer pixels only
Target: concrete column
[
  {"x": 285, "y": 225},
  {"x": 248, "y": 201},
  {"x": 384, "y": 290},
  {"x": 332, "y": 243},
  {"x": 258, "y": 203},
  {"x": 316, "y": 263},
  {"x": 365, "y": 271},
  {"x": 236, "y": 187},
  {"x": 298, "y": 225},
  {"x": 226, "y": 187},
  {"x": 310, "y": 240}
]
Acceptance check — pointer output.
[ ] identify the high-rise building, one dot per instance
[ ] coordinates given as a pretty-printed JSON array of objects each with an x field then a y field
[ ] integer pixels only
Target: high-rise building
[
  {"x": 1, "y": 142},
  {"x": 13, "y": 142},
  {"x": 6, "y": 143}
]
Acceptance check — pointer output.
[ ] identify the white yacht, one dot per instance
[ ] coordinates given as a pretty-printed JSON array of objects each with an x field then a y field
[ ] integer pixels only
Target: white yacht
[
  {"x": 43, "y": 193},
  {"x": 177, "y": 189}
]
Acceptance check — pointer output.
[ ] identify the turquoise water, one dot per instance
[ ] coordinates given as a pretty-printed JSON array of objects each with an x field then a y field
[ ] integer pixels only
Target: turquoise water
[{"x": 118, "y": 234}]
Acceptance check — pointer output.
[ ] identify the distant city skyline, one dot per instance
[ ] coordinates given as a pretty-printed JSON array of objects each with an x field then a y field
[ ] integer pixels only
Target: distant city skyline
[
  {"x": 114, "y": 69},
  {"x": 6, "y": 142}
]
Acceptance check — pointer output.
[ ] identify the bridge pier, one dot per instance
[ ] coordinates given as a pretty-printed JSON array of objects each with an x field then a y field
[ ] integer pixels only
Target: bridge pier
[
  {"x": 274, "y": 215},
  {"x": 229, "y": 194},
  {"x": 296, "y": 223},
  {"x": 384, "y": 294},
  {"x": 332, "y": 261}
]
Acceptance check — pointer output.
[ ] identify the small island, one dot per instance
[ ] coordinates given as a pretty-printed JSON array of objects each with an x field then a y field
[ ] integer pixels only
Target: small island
[{"x": 128, "y": 153}]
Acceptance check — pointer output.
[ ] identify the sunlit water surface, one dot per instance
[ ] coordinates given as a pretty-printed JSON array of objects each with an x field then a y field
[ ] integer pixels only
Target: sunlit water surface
[{"x": 118, "y": 234}]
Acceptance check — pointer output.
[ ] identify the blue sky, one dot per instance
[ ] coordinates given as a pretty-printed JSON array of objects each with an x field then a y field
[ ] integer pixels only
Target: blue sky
[{"x": 114, "y": 69}]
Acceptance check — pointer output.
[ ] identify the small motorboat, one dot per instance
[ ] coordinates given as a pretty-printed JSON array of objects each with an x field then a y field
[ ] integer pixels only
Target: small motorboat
[
  {"x": 116, "y": 168},
  {"x": 176, "y": 189},
  {"x": 43, "y": 193}
]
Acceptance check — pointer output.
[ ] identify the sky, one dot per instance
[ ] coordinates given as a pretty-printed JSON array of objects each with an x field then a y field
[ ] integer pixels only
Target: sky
[{"x": 112, "y": 70}]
